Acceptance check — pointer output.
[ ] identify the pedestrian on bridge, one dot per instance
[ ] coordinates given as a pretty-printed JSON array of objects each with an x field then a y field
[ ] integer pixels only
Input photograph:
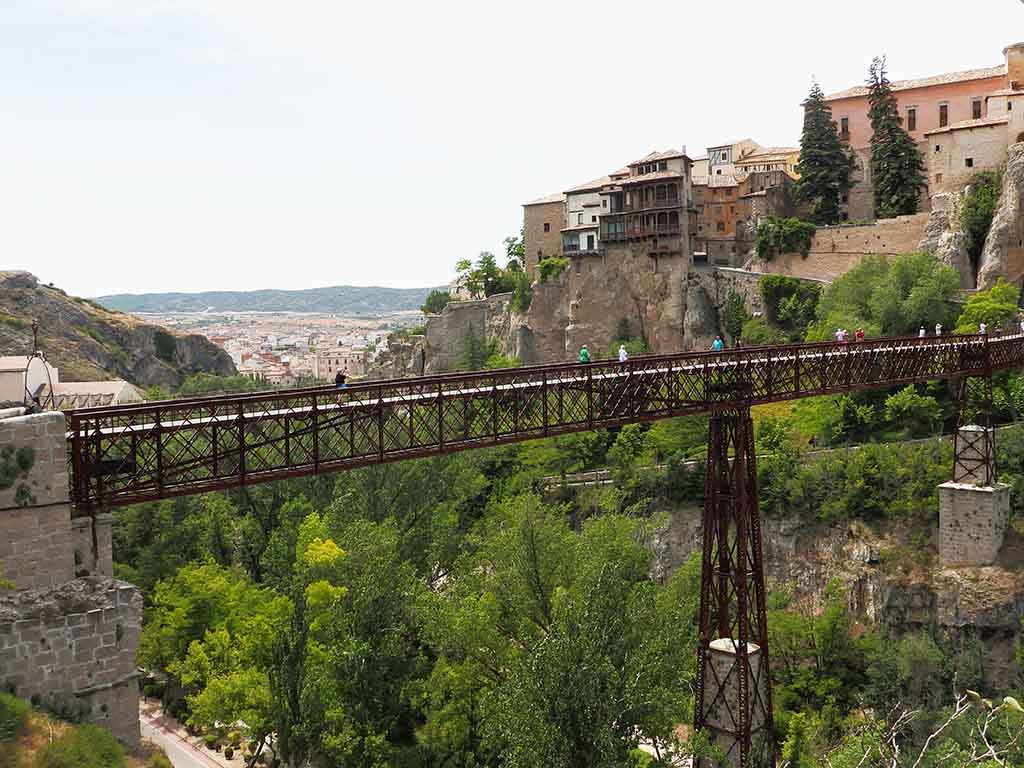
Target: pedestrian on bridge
[
  {"x": 938, "y": 329},
  {"x": 584, "y": 354},
  {"x": 921, "y": 333},
  {"x": 982, "y": 329},
  {"x": 717, "y": 345},
  {"x": 1022, "y": 326},
  {"x": 859, "y": 335},
  {"x": 623, "y": 354},
  {"x": 340, "y": 378}
]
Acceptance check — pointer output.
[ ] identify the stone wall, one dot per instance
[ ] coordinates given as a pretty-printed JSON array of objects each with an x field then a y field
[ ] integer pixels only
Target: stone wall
[
  {"x": 538, "y": 243},
  {"x": 66, "y": 643},
  {"x": 836, "y": 250},
  {"x": 972, "y": 523},
  {"x": 35, "y": 517},
  {"x": 71, "y": 649},
  {"x": 447, "y": 332}
]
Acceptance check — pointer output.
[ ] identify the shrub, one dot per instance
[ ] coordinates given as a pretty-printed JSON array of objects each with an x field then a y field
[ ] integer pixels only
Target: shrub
[
  {"x": 234, "y": 739},
  {"x": 436, "y": 302},
  {"x": 165, "y": 345},
  {"x": 210, "y": 740},
  {"x": 522, "y": 291},
  {"x": 87, "y": 746},
  {"x": 776, "y": 236},
  {"x": 978, "y": 209},
  {"x": 551, "y": 267},
  {"x": 13, "y": 716},
  {"x": 160, "y": 761},
  {"x": 735, "y": 315},
  {"x": 229, "y": 753}
]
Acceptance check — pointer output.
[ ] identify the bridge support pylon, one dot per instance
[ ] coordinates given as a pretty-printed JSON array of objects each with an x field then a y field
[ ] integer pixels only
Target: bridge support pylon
[
  {"x": 974, "y": 509},
  {"x": 733, "y": 703}
]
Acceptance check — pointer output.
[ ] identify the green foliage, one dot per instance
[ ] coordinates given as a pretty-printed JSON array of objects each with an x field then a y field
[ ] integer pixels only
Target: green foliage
[
  {"x": 979, "y": 206},
  {"x": 735, "y": 315},
  {"x": 485, "y": 278},
  {"x": 888, "y": 297},
  {"x": 13, "y": 322},
  {"x": 87, "y": 746},
  {"x": 790, "y": 304},
  {"x": 476, "y": 351},
  {"x": 436, "y": 301},
  {"x": 551, "y": 267},
  {"x": 635, "y": 345},
  {"x": 776, "y": 236},
  {"x": 995, "y": 307},
  {"x": 160, "y": 761},
  {"x": 522, "y": 291},
  {"x": 897, "y": 170},
  {"x": 757, "y": 332},
  {"x": 201, "y": 384},
  {"x": 13, "y": 717},
  {"x": 918, "y": 414},
  {"x": 165, "y": 345},
  {"x": 825, "y": 165},
  {"x": 515, "y": 255}
]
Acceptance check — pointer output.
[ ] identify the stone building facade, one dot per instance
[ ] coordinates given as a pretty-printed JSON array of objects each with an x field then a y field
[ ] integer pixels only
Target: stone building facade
[{"x": 543, "y": 221}]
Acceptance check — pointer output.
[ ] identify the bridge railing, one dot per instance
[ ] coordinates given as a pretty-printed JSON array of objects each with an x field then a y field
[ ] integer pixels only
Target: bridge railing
[{"x": 125, "y": 454}]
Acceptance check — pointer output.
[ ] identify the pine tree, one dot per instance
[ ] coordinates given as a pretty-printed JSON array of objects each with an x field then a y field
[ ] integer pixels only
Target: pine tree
[
  {"x": 824, "y": 165},
  {"x": 896, "y": 166}
]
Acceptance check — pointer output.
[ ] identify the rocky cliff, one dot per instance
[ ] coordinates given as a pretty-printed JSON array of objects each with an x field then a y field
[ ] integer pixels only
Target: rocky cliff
[
  {"x": 1003, "y": 255},
  {"x": 883, "y": 585},
  {"x": 944, "y": 237},
  {"x": 88, "y": 342}
]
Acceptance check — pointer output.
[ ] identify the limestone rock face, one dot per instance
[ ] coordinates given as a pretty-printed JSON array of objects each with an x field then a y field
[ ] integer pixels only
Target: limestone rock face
[
  {"x": 1003, "y": 255},
  {"x": 803, "y": 557},
  {"x": 944, "y": 238}
]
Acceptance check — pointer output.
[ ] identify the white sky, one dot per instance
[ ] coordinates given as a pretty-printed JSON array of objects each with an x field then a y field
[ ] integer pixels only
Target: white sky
[{"x": 158, "y": 145}]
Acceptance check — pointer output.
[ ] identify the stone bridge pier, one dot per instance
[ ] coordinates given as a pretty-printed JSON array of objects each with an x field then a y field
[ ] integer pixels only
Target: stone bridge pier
[
  {"x": 69, "y": 632},
  {"x": 974, "y": 509}
]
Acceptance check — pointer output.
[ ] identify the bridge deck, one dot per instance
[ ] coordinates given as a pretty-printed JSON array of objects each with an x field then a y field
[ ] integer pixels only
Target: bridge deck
[{"x": 126, "y": 454}]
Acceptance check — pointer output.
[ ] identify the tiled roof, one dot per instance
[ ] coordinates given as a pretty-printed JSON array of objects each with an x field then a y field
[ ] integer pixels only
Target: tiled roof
[
  {"x": 774, "y": 153},
  {"x": 1006, "y": 92},
  {"x": 556, "y": 197},
  {"x": 668, "y": 154},
  {"x": 981, "y": 122},
  {"x": 656, "y": 176},
  {"x": 925, "y": 82},
  {"x": 590, "y": 185}
]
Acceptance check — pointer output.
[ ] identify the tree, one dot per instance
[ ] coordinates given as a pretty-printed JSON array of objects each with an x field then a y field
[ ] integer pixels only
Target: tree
[
  {"x": 995, "y": 307},
  {"x": 735, "y": 315},
  {"x": 824, "y": 166},
  {"x": 897, "y": 170},
  {"x": 514, "y": 254},
  {"x": 436, "y": 302}
]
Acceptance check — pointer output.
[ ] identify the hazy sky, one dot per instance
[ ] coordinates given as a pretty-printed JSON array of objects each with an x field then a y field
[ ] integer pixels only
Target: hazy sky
[{"x": 156, "y": 145}]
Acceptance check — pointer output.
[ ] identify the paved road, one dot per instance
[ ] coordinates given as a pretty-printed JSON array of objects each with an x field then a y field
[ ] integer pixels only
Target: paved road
[{"x": 162, "y": 731}]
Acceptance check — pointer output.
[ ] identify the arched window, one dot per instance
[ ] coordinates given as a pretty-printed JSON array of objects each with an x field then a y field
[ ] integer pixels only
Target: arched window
[{"x": 673, "y": 220}]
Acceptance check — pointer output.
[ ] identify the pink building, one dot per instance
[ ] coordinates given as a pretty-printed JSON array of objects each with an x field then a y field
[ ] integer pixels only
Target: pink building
[{"x": 954, "y": 101}]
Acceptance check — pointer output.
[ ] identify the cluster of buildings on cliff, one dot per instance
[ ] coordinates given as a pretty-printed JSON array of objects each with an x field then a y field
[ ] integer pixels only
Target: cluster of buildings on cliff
[{"x": 707, "y": 208}]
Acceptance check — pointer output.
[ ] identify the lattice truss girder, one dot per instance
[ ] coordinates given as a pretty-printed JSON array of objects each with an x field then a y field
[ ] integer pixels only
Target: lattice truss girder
[
  {"x": 733, "y": 691},
  {"x": 125, "y": 454}
]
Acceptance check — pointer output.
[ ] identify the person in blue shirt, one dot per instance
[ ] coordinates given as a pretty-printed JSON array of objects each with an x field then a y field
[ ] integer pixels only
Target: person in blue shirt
[{"x": 717, "y": 345}]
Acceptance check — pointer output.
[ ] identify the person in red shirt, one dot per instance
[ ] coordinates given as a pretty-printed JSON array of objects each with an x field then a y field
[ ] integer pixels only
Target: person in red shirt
[{"x": 859, "y": 335}]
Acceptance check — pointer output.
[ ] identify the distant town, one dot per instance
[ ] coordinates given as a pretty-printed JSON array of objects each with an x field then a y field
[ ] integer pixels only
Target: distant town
[{"x": 286, "y": 348}]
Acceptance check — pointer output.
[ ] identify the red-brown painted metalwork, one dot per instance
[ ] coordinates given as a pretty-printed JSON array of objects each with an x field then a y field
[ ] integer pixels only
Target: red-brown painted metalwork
[
  {"x": 733, "y": 701},
  {"x": 126, "y": 454}
]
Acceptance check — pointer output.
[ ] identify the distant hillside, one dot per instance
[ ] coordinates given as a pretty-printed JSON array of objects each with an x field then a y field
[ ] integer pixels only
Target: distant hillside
[
  {"x": 343, "y": 299},
  {"x": 87, "y": 342}
]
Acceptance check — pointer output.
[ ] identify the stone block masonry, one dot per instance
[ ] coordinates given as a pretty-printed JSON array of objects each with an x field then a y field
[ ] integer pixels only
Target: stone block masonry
[
  {"x": 67, "y": 644},
  {"x": 35, "y": 516},
  {"x": 71, "y": 649},
  {"x": 972, "y": 523}
]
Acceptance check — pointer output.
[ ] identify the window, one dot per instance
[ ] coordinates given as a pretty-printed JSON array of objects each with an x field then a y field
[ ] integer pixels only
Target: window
[
  {"x": 938, "y": 148},
  {"x": 969, "y": 162},
  {"x": 720, "y": 226},
  {"x": 590, "y": 242},
  {"x": 844, "y": 128},
  {"x": 912, "y": 119},
  {"x": 718, "y": 172},
  {"x": 604, "y": 203},
  {"x": 846, "y": 198},
  {"x": 593, "y": 219},
  {"x": 1009, "y": 106},
  {"x": 938, "y": 178},
  {"x": 976, "y": 109},
  {"x": 547, "y": 226},
  {"x": 943, "y": 115},
  {"x": 579, "y": 218},
  {"x": 540, "y": 253},
  {"x": 732, "y": 209}
]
